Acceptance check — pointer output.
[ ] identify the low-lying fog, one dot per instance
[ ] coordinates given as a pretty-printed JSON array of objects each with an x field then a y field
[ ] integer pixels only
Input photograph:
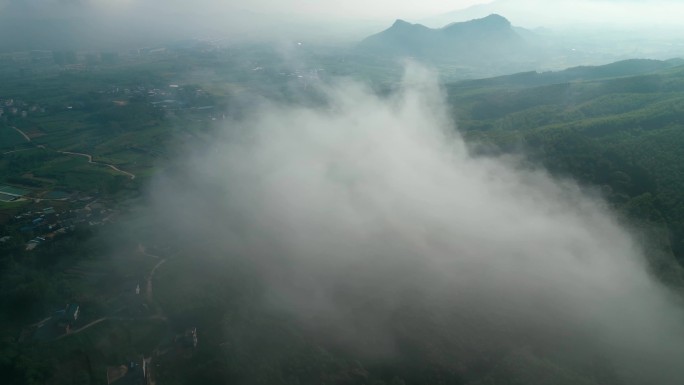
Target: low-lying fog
[{"x": 368, "y": 222}]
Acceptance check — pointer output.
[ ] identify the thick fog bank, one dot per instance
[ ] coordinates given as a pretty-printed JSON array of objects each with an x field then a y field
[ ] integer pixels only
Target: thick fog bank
[{"x": 369, "y": 223}]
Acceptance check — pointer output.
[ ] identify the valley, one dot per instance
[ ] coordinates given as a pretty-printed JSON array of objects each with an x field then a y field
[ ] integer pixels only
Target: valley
[{"x": 407, "y": 209}]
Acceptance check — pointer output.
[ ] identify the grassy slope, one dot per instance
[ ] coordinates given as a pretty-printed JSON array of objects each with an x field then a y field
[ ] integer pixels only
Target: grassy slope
[{"x": 625, "y": 135}]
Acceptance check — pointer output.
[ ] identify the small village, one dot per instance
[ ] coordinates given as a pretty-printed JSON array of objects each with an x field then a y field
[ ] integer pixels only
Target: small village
[
  {"x": 16, "y": 107},
  {"x": 42, "y": 224}
]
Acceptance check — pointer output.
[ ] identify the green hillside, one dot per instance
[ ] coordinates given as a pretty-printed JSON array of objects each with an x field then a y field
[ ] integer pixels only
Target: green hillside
[
  {"x": 623, "y": 135},
  {"x": 618, "y": 129}
]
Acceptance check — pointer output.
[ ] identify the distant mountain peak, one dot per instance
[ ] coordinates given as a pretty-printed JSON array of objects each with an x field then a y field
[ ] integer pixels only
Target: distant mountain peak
[
  {"x": 403, "y": 25},
  {"x": 495, "y": 18},
  {"x": 470, "y": 41},
  {"x": 493, "y": 21},
  {"x": 400, "y": 22}
]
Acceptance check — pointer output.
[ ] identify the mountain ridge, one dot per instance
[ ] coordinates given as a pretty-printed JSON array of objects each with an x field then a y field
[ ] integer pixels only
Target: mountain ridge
[
  {"x": 622, "y": 68},
  {"x": 470, "y": 41}
]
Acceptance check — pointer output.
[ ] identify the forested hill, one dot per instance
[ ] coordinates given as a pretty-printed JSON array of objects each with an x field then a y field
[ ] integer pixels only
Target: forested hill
[
  {"x": 468, "y": 42},
  {"x": 623, "y": 134},
  {"x": 630, "y": 67}
]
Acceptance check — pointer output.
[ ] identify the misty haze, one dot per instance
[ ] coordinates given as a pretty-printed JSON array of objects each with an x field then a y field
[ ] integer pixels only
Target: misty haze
[{"x": 302, "y": 192}]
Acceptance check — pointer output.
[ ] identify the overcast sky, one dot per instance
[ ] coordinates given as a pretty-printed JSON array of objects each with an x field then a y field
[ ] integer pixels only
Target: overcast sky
[
  {"x": 373, "y": 8},
  {"x": 560, "y": 13},
  {"x": 326, "y": 19},
  {"x": 655, "y": 12},
  {"x": 357, "y": 8},
  {"x": 315, "y": 8}
]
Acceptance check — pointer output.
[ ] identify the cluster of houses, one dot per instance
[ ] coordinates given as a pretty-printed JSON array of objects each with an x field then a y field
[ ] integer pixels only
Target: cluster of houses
[
  {"x": 137, "y": 371},
  {"x": 127, "y": 91},
  {"x": 62, "y": 322},
  {"x": 65, "y": 319},
  {"x": 133, "y": 372},
  {"x": 16, "y": 107},
  {"x": 187, "y": 341},
  {"x": 46, "y": 224},
  {"x": 173, "y": 97}
]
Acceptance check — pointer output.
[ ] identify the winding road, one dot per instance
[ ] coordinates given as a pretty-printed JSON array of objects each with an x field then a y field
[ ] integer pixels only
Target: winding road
[
  {"x": 90, "y": 160},
  {"x": 22, "y": 133},
  {"x": 149, "y": 279},
  {"x": 88, "y": 156},
  {"x": 99, "y": 320}
]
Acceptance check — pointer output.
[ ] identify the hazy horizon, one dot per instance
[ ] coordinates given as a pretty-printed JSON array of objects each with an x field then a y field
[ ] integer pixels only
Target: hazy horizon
[
  {"x": 306, "y": 192},
  {"x": 319, "y": 21}
]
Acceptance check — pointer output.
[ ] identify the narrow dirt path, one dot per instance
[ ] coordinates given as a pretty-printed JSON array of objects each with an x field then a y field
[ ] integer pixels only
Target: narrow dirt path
[
  {"x": 99, "y": 320},
  {"x": 88, "y": 156},
  {"x": 149, "y": 279},
  {"x": 41, "y": 322},
  {"x": 90, "y": 160},
  {"x": 13, "y": 151},
  {"x": 22, "y": 133},
  {"x": 82, "y": 328}
]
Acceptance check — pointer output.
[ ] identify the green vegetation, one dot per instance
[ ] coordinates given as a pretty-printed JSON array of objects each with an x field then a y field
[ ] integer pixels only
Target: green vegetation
[
  {"x": 618, "y": 129},
  {"x": 10, "y": 138},
  {"x": 622, "y": 135}
]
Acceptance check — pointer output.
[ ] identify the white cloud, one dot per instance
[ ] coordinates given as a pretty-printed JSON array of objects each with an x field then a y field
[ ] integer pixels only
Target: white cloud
[
  {"x": 311, "y": 8},
  {"x": 630, "y": 13},
  {"x": 370, "y": 209}
]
